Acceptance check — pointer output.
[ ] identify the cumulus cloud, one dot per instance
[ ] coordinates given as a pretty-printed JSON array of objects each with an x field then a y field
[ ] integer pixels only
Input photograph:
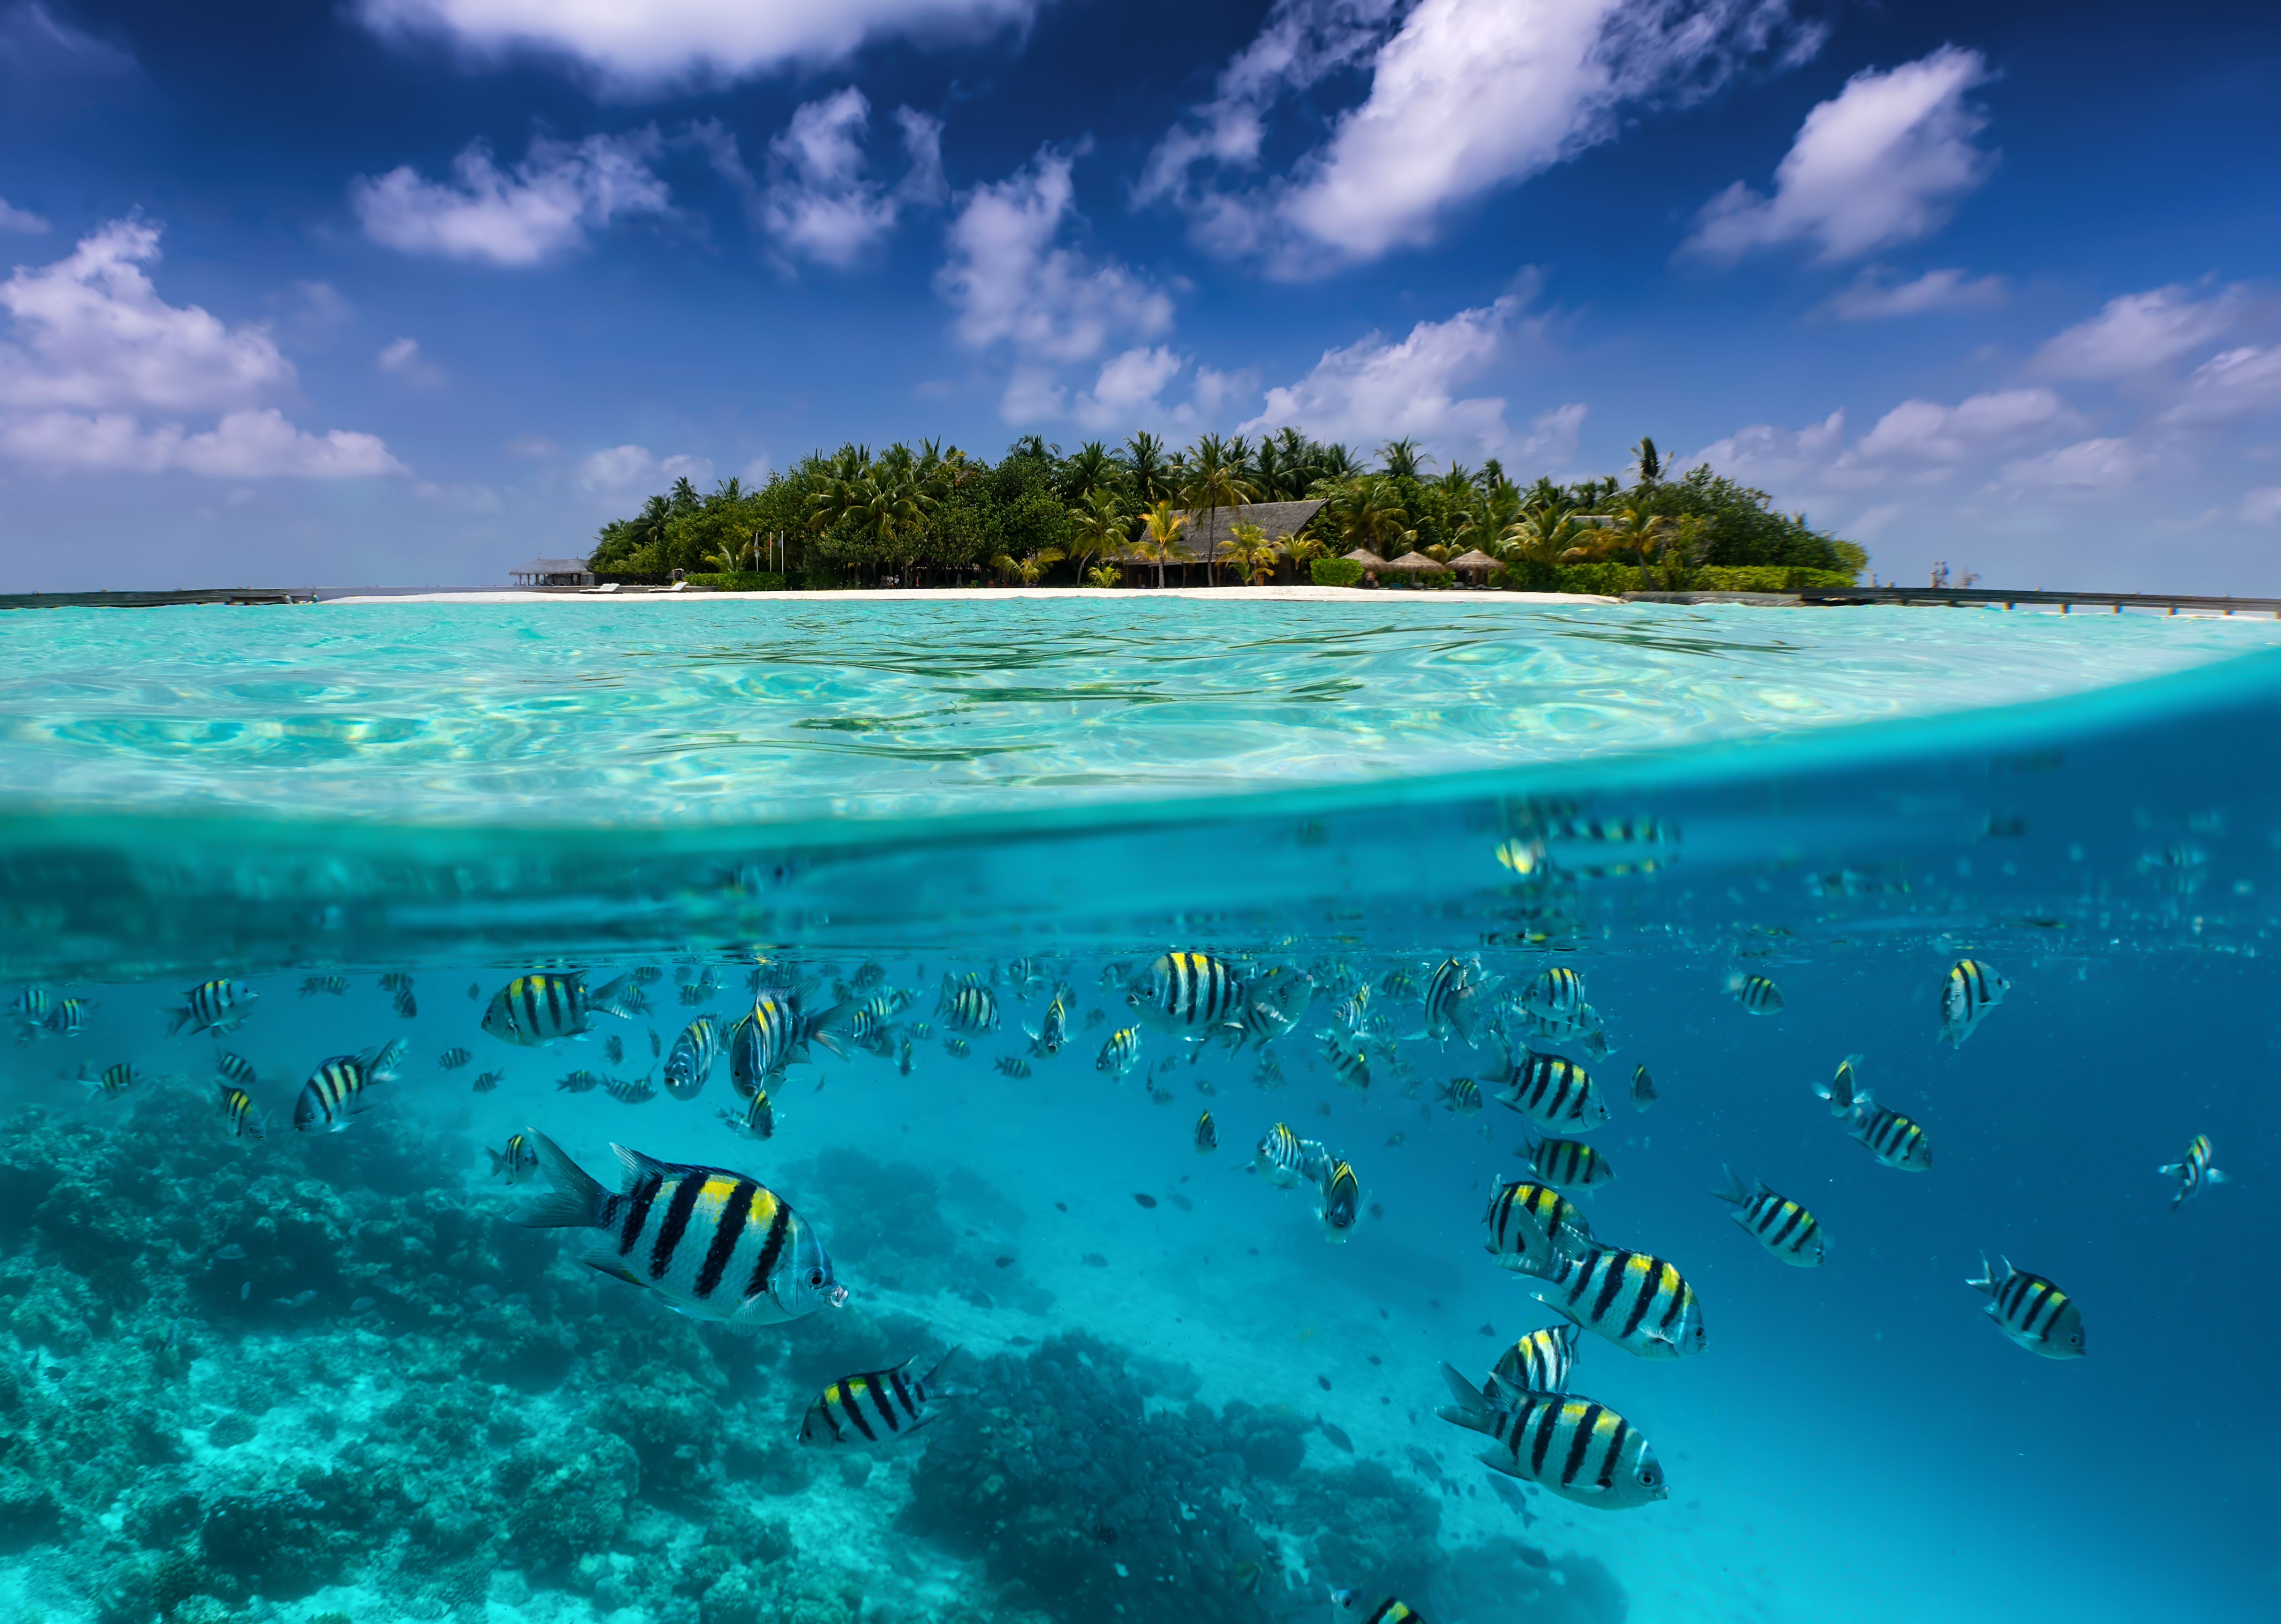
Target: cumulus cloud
[
  {"x": 1467, "y": 97},
  {"x": 1015, "y": 287},
  {"x": 1927, "y": 432},
  {"x": 819, "y": 202},
  {"x": 401, "y": 359},
  {"x": 13, "y": 219},
  {"x": 2140, "y": 332},
  {"x": 1917, "y": 443},
  {"x": 2228, "y": 386},
  {"x": 546, "y": 206},
  {"x": 1882, "y": 164},
  {"x": 1378, "y": 388},
  {"x": 2088, "y": 465},
  {"x": 1127, "y": 389},
  {"x": 92, "y": 349},
  {"x": 1874, "y": 298},
  {"x": 631, "y": 49},
  {"x": 623, "y": 468}
]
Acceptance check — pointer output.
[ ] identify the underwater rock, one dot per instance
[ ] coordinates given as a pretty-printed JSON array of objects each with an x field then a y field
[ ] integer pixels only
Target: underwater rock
[{"x": 570, "y": 1492}]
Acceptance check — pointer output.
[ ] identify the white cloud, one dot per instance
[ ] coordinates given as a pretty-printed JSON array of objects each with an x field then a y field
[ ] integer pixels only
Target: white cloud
[
  {"x": 2236, "y": 384},
  {"x": 2140, "y": 332},
  {"x": 92, "y": 347},
  {"x": 1926, "y": 431},
  {"x": 1765, "y": 455},
  {"x": 244, "y": 445},
  {"x": 1917, "y": 443},
  {"x": 819, "y": 201},
  {"x": 12, "y": 219},
  {"x": 1126, "y": 390},
  {"x": 1874, "y": 298},
  {"x": 1376, "y": 389},
  {"x": 401, "y": 359},
  {"x": 623, "y": 468},
  {"x": 2087, "y": 465},
  {"x": 1882, "y": 164},
  {"x": 634, "y": 48},
  {"x": 2262, "y": 505},
  {"x": 543, "y": 208},
  {"x": 1467, "y": 96},
  {"x": 1014, "y": 286}
]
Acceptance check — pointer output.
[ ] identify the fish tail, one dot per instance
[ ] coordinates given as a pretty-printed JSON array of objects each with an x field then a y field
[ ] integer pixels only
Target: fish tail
[
  {"x": 1470, "y": 1398},
  {"x": 1734, "y": 1194},
  {"x": 933, "y": 1384},
  {"x": 575, "y": 1198},
  {"x": 177, "y": 1018},
  {"x": 1987, "y": 1280},
  {"x": 618, "y": 996}
]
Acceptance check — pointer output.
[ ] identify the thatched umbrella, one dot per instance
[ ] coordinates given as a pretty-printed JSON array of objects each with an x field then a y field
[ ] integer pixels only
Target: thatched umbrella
[
  {"x": 1468, "y": 562},
  {"x": 1368, "y": 560},
  {"x": 1420, "y": 563}
]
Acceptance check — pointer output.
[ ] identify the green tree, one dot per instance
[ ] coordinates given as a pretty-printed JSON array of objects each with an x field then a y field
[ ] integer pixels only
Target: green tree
[{"x": 1214, "y": 480}]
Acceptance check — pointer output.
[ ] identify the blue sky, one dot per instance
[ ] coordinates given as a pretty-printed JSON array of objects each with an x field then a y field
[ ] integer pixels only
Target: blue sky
[{"x": 406, "y": 290}]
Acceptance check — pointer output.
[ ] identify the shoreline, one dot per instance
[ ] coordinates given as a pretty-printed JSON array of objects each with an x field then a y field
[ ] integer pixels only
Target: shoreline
[{"x": 1316, "y": 595}]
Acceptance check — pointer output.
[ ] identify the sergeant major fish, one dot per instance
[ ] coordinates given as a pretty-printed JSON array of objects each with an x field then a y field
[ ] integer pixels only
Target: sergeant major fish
[
  {"x": 1779, "y": 1225},
  {"x": 1552, "y": 1091},
  {"x": 878, "y": 1404},
  {"x": 485, "y": 1081},
  {"x": 516, "y": 1162},
  {"x": 1461, "y": 1095},
  {"x": 1280, "y": 1157},
  {"x": 1456, "y": 999},
  {"x": 1120, "y": 1051},
  {"x": 1969, "y": 990},
  {"x": 217, "y": 1006},
  {"x": 756, "y": 1120},
  {"x": 452, "y": 1059},
  {"x": 334, "y": 984},
  {"x": 629, "y": 1090},
  {"x": 1011, "y": 1066},
  {"x": 1569, "y": 1163},
  {"x": 1207, "y": 1136},
  {"x": 237, "y": 1111},
  {"x": 712, "y": 1243},
  {"x": 1579, "y": 1450},
  {"x": 2032, "y": 1311},
  {"x": 968, "y": 1005},
  {"x": 1352, "y": 1607},
  {"x": 1341, "y": 1205},
  {"x": 334, "y": 1094},
  {"x": 695, "y": 1053},
  {"x": 1529, "y": 1222},
  {"x": 236, "y": 1068},
  {"x": 1640, "y": 1303},
  {"x": 2193, "y": 1172},
  {"x": 1642, "y": 1088},
  {"x": 542, "y": 1006},
  {"x": 1186, "y": 995},
  {"x": 1755, "y": 993},
  {"x": 1557, "y": 989},
  {"x": 1892, "y": 1138},
  {"x": 1349, "y": 1061},
  {"x": 1540, "y": 1362},
  {"x": 1053, "y": 1027}
]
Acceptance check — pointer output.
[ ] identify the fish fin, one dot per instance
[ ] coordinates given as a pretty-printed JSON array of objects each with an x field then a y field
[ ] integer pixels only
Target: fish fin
[
  {"x": 176, "y": 1018},
  {"x": 933, "y": 1380},
  {"x": 606, "y": 1264},
  {"x": 1495, "y": 1458},
  {"x": 1587, "y": 1488},
  {"x": 1987, "y": 1281},
  {"x": 1734, "y": 1194},
  {"x": 575, "y": 1198},
  {"x": 2171, "y": 1171},
  {"x": 638, "y": 1167},
  {"x": 1463, "y": 1014},
  {"x": 2211, "y": 1175},
  {"x": 1476, "y": 1417},
  {"x": 1471, "y": 1398},
  {"x": 498, "y": 1162}
]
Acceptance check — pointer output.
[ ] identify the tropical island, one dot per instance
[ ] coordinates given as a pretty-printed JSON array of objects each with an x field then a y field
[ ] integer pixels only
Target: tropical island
[{"x": 1283, "y": 508}]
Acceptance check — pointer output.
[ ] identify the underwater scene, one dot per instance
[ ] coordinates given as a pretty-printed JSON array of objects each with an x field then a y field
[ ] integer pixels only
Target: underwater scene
[{"x": 1001, "y": 1113}]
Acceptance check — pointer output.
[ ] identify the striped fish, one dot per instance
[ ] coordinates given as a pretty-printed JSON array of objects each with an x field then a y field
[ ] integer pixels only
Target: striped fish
[
  {"x": 1462, "y": 1094},
  {"x": 1349, "y": 1061},
  {"x": 1581, "y": 1025},
  {"x": 1528, "y": 1223},
  {"x": 1569, "y": 1163},
  {"x": 112, "y": 1080},
  {"x": 1540, "y": 1362},
  {"x": 1273, "y": 1003},
  {"x": 217, "y": 1005},
  {"x": 1579, "y": 1450},
  {"x": 1639, "y": 1303},
  {"x": 968, "y": 1005},
  {"x": 776, "y": 1035},
  {"x": 1458, "y": 1001},
  {"x": 695, "y": 1053},
  {"x": 1844, "y": 1085},
  {"x": 516, "y": 1162},
  {"x": 1011, "y": 1066},
  {"x": 877, "y": 1405},
  {"x": 69, "y": 1018},
  {"x": 542, "y": 1006},
  {"x": 334, "y": 984},
  {"x": 236, "y": 1068},
  {"x": 1267, "y": 1077},
  {"x": 1053, "y": 1027},
  {"x": 1207, "y": 1136},
  {"x": 1398, "y": 987},
  {"x": 715, "y": 1244},
  {"x": 1642, "y": 1088},
  {"x": 629, "y": 1090},
  {"x": 957, "y": 1047},
  {"x": 1342, "y": 1201},
  {"x": 1892, "y": 1138},
  {"x": 2195, "y": 1172},
  {"x": 1968, "y": 992},
  {"x": 1280, "y": 1157},
  {"x": 335, "y": 1093},
  {"x": 1557, "y": 990},
  {"x": 1779, "y": 1225},
  {"x": 580, "y": 1082},
  {"x": 756, "y": 1120},
  {"x": 1186, "y": 995},
  {"x": 32, "y": 1003},
  {"x": 237, "y": 1110},
  {"x": 452, "y": 1059},
  {"x": 2032, "y": 1311},
  {"x": 485, "y": 1081},
  {"x": 1352, "y": 1604},
  {"x": 1120, "y": 1052},
  {"x": 1552, "y": 1091},
  {"x": 1755, "y": 993}
]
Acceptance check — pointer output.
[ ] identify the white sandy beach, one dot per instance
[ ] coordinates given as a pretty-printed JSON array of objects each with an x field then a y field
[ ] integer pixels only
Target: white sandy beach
[{"x": 957, "y": 594}]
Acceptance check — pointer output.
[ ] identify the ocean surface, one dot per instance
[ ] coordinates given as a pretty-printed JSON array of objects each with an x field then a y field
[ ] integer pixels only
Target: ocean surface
[{"x": 488, "y": 863}]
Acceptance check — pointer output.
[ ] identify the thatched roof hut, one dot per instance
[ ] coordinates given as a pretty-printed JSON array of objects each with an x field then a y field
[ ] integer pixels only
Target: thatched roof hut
[
  {"x": 1368, "y": 560},
  {"x": 1420, "y": 563},
  {"x": 1465, "y": 563},
  {"x": 1210, "y": 530}
]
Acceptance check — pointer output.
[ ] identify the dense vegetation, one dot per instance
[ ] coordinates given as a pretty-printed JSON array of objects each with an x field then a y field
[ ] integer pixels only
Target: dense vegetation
[{"x": 935, "y": 515}]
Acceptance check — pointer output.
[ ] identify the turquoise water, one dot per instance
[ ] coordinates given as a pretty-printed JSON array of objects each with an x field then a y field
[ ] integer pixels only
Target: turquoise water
[{"x": 324, "y": 1373}]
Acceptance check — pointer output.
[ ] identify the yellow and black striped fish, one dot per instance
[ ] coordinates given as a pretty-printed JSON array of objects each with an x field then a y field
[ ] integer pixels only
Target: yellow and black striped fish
[
  {"x": 112, "y": 1080},
  {"x": 1053, "y": 1027},
  {"x": 1777, "y": 1223},
  {"x": 629, "y": 1090},
  {"x": 1892, "y": 1138},
  {"x": 1553, "y": 1091},
  {"x": 517, "y": 1162},
  {"x": 1342, "y": 1201},
  {"x": 1540, "y": 1362},
  {"x": 1207, "y": 1136},
  {"x": 878, "y": 1405},
  {"x": 756, "y": 1120},
  {"x": 452, "y": 1059},
  {"x": 69, "y": 1018},
  {"x": 716, "y": 1244},
  {"x": 1558, "y": 990},
  {"x": 1353, "y": 1605},
  {"x": 695, "y": 1054},
  {"x": 1844, "y": 1085},
  {"x": 237, "y": 1110},
  {"x": 1755, "y": 993},
  {"x": 2192, "y": 1172},
  {"x": 1457, "y": 1001},
  {"x": 217, "y": 1006},
  {"x": 1969, "y": 990},
  {"x": 774, "y": 1036},
  {"x": 2032, "y": 1311},
  {"x": 1462, "y": 1094},
  {"x": 335, "y": 1093},
  {"x": 968, "y": 1005},
  {"x": 485, "y": 1081},
  {"x": 32, "y": 1003},
  {"x": 1120, "y": 1052},
  {"x": 236, "y": 1068},
  {"x": 1011, "y": 1066},
  {"x": 1349, "y": 1061},
  {"x": 1639, "y": 1303},
  {"x": 1186, "y": 995},
  {"x": 1280, "y": 1156},
  {"x": 1580, "y": 1450},
  {"x": 542, "y": 1006},
  {"x": 334, "y": 984},
  {"x": 1642, "y": 1088},
  {"x": 957, "y": 1048},
  {"x": 1527, "y": 1223},
  {"x": 1569, "y": 1163}
]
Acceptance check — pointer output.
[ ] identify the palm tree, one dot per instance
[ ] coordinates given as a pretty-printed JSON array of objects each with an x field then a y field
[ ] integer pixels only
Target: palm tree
[
  {"x": 1402, "y": 459},
  {"x": 1250, "y": 555},
  {"x": 1366, "y": 513},
  {"x": 1099, "y": 524},
  {"x": 1545, "y": 535},
  {"x": 1650, "y": 464},
  {"x": 1103, "y": 575},
  {"x": 1214, "y": 480},
  {"x": 1145, "y": 468},
  {"x": 1161, "y": 539},
  {"x": 1091, "y": 467},
  {"x": 1302, "y": 548},
  {"x": 1335, "y": 461}
]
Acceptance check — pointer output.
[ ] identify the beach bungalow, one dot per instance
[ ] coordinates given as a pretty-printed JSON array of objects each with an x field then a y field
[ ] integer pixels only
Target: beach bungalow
[
  {"x": 554, "y": 572},
  {"x": 1207, "y": 532}
]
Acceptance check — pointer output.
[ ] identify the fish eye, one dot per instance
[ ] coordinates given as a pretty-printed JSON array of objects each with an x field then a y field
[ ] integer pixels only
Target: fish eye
[
  {"x": 1647, "y": 1476},
  {"x": 816, "y": 1280}
]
